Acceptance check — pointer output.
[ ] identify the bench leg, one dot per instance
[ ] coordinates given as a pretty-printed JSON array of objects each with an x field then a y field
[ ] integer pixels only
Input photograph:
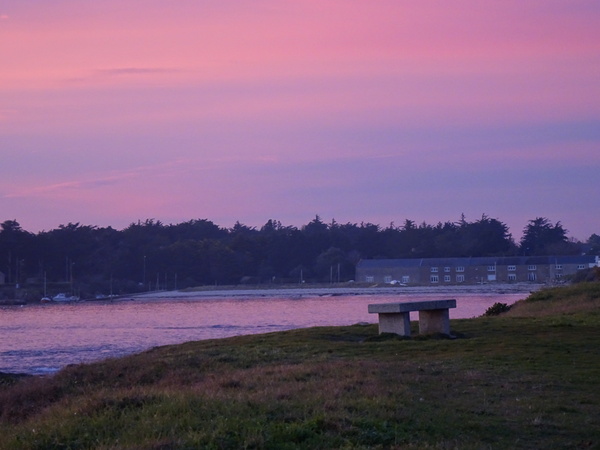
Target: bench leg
[
  {"x": 398, "y": 323},
  {"x": 434, "y": 321}
]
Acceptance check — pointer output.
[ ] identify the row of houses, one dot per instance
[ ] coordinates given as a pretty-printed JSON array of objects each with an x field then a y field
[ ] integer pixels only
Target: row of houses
[{"x": 439, "y": 271}]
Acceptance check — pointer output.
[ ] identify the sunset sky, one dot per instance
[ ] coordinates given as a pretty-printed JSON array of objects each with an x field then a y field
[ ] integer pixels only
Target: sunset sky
[{"x": 360, "y": 111}]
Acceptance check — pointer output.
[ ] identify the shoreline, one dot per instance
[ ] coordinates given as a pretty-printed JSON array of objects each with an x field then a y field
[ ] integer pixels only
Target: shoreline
[
  {"x": 296, "y": 292},
  {"x": 291, "y": 292},
  {"x": 336, "y": 297}
]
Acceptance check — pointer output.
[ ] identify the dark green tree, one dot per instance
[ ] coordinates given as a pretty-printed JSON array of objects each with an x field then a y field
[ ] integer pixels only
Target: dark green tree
[
  {"x": 594, "y": 243},
  {"x": 330, "y": 265},
  {"x": 17, "y": 252},
  {"x": 541, "y": 237},
  {"x": 485, "y": 237}
]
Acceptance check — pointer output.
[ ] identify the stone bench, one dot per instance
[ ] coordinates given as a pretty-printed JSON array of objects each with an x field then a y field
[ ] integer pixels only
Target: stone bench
[{"x": 434, "y": 316}]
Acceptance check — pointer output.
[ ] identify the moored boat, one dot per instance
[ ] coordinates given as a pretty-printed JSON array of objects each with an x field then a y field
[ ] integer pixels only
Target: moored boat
[{"x": 62, "y": 297}]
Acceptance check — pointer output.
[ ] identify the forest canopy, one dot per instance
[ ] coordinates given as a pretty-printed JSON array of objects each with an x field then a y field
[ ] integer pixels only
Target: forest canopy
[{"x": 151, "y": 255}]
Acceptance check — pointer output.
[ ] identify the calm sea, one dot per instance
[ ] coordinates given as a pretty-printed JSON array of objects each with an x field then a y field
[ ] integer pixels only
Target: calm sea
[{"x": 39, "y": 339}]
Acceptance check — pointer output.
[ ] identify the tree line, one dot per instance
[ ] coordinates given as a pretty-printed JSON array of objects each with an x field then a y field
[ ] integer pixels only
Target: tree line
[{"x": 149, "y": 255}]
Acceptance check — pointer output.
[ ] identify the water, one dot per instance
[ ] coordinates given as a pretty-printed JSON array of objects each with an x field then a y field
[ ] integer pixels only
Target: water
[{"x": 40, "y": 339}]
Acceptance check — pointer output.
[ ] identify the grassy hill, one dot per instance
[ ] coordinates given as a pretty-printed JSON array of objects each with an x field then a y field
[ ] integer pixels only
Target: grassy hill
[{"x": 519, "y": 380}]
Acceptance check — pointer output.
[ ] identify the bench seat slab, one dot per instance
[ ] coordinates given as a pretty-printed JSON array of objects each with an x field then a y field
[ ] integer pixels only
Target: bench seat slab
[{"x": 411, "y": 306}]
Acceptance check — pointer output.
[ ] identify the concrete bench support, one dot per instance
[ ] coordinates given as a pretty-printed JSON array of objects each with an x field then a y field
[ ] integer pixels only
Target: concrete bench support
[{"x": 434, "y": 316}]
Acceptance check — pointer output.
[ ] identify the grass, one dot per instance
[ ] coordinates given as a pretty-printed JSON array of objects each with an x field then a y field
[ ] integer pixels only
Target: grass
[
  {"x": 580, "y": 297},
  {"x": 506, "y": 382}
]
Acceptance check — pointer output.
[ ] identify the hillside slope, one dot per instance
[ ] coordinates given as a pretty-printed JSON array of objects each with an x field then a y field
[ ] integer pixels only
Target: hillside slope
[{"x": 504, "y": 382}]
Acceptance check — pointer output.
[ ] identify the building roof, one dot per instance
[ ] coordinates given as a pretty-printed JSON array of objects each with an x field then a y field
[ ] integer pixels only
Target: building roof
[{"x": 476, "y": 261}]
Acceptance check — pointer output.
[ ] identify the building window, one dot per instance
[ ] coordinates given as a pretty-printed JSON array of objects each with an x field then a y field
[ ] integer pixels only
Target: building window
[
  {"x": 446, "y": 269},
  {"x": 447, "y": 278},
  {"x": 434, "y": 269},
  {"x": 434, "y": 279},
  {"x": 532, "y": 267},
  {"x": 491, "y": 268},
  {"x": 580, "y": 266},
  {"x": 531, "y": 276},
  {"x": 460, "y": 269},
  {"x": 460, "y": 278},
  {"x": 369, "y": 279},
  {"x": 387, "y": 279},
  {"x": 512, "y": 268},
  {"x": 512, "y": 277},
  {"x": 559, "y": 267},
  {"x": 405, "y": 279}
]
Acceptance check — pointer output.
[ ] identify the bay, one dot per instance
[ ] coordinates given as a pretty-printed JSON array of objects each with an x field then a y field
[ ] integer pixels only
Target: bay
[{"x": 41, "y": 339}]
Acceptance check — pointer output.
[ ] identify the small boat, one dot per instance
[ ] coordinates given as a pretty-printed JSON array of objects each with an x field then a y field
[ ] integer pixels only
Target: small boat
[
  {"x": 62, "y": 297},
  {"x": 45, "y": 298}
]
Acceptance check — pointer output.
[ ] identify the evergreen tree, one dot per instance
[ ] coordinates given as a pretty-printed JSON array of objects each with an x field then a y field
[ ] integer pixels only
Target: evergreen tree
[{"x": 540, "y": 236}]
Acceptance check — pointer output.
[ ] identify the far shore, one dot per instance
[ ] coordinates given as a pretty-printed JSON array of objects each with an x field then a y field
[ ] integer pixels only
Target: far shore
[{"x": 312, "y": 291}]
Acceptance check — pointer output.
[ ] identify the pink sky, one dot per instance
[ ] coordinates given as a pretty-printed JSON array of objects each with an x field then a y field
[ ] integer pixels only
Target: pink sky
[{"x": 118, "y": 111}]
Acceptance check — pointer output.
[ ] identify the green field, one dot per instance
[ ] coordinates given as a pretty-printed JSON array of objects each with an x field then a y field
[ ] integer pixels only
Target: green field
[{"x": 529, "y": 378}]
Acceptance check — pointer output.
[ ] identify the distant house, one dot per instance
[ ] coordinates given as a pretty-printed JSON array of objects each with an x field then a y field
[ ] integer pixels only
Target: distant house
[{"x": 446, "y": 271}]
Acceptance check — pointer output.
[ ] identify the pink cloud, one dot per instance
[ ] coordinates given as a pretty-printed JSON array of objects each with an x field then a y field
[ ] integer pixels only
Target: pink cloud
[{"x": 309, "y": 38}]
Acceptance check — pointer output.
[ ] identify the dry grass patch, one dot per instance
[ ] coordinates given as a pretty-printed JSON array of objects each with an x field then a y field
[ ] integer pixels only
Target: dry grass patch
[{"x": 577, "y": 298}]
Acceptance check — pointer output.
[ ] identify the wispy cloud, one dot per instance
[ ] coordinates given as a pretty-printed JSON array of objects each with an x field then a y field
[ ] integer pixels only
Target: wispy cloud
[
  {"x": 126, "y": 71},
  {"x": 54, "y": 189},
  {"x": 99, "y": 182},
  {"x": 175, "y": 167},
  {"x": 122, "y": 73}
]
